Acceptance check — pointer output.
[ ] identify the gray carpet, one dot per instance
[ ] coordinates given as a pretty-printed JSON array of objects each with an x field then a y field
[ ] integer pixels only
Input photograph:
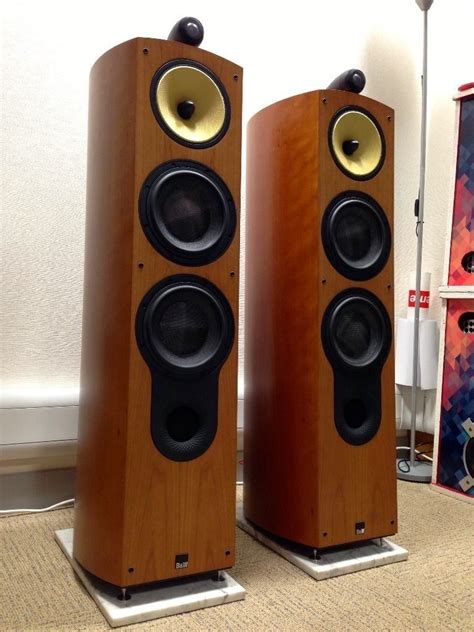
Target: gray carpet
[{"x": 432, "y": 591}]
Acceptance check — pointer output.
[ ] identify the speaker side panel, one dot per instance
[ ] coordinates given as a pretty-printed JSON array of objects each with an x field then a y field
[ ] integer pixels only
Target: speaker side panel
[
  {"x": 356, "y": 483},
  {"x": 281, "y": 341},
  {"x": 186, "y": 507},
  {"x": 100, "y": 481}
]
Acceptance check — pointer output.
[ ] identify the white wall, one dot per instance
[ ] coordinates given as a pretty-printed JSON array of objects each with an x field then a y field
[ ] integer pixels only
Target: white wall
[{"x": 285, "y": 48}]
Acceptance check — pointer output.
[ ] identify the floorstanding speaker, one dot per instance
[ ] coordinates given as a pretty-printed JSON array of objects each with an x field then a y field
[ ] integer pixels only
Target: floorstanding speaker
[
  {"x": 157, "y": 433},
  {"x": 319, "y": 402},
  {"x": 453, "y": 470}
]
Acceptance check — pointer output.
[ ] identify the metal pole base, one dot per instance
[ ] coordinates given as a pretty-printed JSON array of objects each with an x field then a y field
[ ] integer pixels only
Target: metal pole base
[{"x": 419, "y": 472}]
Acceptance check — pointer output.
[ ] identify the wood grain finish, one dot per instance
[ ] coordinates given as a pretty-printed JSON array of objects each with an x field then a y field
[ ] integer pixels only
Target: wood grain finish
[
  {"x": 135, "y": 509},
  {"x": 303, "y": 482}
]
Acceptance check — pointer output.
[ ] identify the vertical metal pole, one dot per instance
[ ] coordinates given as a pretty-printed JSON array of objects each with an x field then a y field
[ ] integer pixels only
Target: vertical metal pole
[{"x": 419, "y": 245}]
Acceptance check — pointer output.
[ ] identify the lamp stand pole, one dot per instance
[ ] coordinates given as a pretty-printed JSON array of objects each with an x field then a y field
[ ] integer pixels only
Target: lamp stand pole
[{"x": 418, "y": 471}]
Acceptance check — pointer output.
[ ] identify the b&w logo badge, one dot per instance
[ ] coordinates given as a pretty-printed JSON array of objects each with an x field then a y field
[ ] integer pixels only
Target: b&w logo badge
[{"x": 181, "y": 561}]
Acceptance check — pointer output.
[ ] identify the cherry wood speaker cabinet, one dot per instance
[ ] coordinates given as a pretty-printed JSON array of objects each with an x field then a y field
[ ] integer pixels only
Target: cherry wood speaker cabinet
[
  {"x": 157, "y": 432},
  {"x": 319, "y": 401}
]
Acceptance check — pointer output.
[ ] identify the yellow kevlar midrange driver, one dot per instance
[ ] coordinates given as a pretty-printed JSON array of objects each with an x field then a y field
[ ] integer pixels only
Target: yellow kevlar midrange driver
[
  {"x": 356, "y": 143},
  {"x": 190, "y": 103}
]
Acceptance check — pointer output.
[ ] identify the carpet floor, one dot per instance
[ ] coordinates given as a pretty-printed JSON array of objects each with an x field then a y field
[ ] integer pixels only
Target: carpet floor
[{"x": 431, "y": 591}]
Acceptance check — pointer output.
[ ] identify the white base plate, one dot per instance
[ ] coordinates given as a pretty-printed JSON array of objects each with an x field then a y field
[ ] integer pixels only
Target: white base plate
[
  {"x": 333, "y": 562},
  {"x": 151, "y": 601}
]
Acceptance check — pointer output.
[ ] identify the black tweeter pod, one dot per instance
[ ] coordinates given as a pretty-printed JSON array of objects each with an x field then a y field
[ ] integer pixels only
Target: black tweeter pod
[
  {"x": 188, "y": 31},
  {"x": 352, "y": 80}
]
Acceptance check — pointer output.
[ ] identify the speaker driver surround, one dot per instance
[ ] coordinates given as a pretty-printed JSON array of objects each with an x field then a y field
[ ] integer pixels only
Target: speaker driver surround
[
  {"x": 356, "y": 143},
  {"x": 356, "y": 235},
  {"x": 187, "y": 212},
  {"x": 190, "y": 103}
]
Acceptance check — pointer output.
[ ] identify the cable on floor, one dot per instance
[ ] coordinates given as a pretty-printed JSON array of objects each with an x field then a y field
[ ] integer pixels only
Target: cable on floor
[
  {"x": 417, "y": 452},
  {"x": 27, "y": 511},
  {"x": 403, "y": 465}
]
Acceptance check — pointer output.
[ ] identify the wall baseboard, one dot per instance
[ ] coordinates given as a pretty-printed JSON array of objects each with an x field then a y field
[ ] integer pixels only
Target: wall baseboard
[
  {"x": 37, "y": 438},
  {"x": 36, "y": 489},
  {"x": 38, "y": 425},
  {"x": 45, "y": 437},
  {"x": 31, "y": 457}
]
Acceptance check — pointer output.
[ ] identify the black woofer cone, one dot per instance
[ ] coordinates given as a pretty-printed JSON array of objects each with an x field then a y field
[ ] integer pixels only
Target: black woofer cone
[
  {"x": 356, "y": 330},
  {"x": 187, "y": 212},
  {"x": 185, "y": 326},
  {"x": 356, "y": 236}
]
